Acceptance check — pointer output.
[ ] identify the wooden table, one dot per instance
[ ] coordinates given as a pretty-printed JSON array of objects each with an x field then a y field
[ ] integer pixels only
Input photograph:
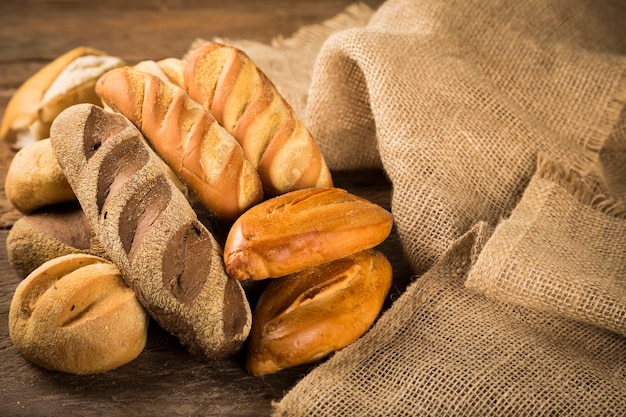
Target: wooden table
[{"x": 164, "y": 379}]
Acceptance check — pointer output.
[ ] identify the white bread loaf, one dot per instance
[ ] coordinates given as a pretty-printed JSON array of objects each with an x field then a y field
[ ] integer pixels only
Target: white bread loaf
[{"x": 68, "y": 80}]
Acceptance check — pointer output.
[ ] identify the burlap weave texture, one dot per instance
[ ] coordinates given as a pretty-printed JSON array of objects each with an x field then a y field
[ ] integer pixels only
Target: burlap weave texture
[{"x": 519, "y": 307}]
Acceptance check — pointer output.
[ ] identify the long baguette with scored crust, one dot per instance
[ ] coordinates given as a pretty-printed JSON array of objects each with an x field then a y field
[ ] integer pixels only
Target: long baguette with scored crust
[
  {"x": 225, "y": 81},
  {"x": 150, "y": 232},
  {"x": 204, "y": 155}
]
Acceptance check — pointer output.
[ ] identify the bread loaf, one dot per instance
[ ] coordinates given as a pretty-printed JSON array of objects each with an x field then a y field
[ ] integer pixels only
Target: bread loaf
[
  {"x": 303, "y": 317},
  {"x": 150, "y": 231},
  {"x": 75, "y": 314},
  {"x": 40, "y": 237},
  {"x": 67, "y": 80},
  {"x": 168, "y": 69},
  {"x": 35, "y": 180},
  {"x": 300, "y": 229},
  {"x": 206, "y": 157},
  {"x": 240, "y": 96}
]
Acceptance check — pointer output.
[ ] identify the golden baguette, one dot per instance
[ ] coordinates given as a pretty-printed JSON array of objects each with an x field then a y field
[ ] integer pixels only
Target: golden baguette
[
  {"x": 150, "y": 231},
  {"x": 241, "y": 97},
  {"x": 204, "y": 155},
  {"x": 303, "y": 317},
  {"x": 300, "y": 229}
]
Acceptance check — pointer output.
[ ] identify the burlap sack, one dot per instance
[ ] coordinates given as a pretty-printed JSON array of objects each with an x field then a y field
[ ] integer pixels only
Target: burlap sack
[
  {"x": 459, "y": 96},
  {"x": 444, "y": 350},
  {"x": 562, "y": 250},
  {"x": 519, "y": 309}
]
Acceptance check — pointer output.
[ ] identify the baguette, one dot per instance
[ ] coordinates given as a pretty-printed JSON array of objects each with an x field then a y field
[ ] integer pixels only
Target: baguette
[
  {"x": 67, "y": 80},
  {"x": 149, "y": 230},
  {"x": 37, "y": 238},
  {"x": 206, "y": 157},
  {"x": 225, "y": 81},
  {"x": 35, "y": 180},
  {"x": 303, "y": 317},
  {"x": 75, "y": 314},
  {"x": 301, "y": 229}
]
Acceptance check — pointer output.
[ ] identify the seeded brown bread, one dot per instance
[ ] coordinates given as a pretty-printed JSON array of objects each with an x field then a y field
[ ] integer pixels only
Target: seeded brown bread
[
  {"x": 204, "y": 155},
  {"x": 150, "y": 231},
  {"x": 224, "y": 80},
  {"x": 76, "y": 314},
  {"x": 40, "y": 237},
  {"x": 303, "y": 317},
  {"x": 35, "y": 180},
  {"x": 300, "y": 229},
  {"x": 67, "y": 80}
]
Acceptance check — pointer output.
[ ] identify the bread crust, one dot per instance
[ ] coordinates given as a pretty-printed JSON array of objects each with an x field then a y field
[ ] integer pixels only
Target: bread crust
[
  {"x": 35, "y": 180},
  {"x": 303, "y": 317},
  {"x": 27, "y": 117},
  {"x": 204, "y": 155},
  {"x": 75, "y": 314},
  {"x": 301, "y": 229},
  {"x": 149, "y": 230},
  {"x": 225, "y": 81}
]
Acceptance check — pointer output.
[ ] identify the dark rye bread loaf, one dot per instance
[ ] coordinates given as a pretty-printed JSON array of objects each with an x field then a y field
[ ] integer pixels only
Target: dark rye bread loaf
[
  {"x": 150, "y": 231},
  {"x": 40, "y": 237}
]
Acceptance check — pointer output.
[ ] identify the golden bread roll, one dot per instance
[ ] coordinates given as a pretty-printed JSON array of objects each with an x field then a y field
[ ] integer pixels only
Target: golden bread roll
[
  {"x": 35, "y": 180},
  {"x": 302, "y": 228},
  {"x": 241, "y": 97},
  {"x": 40, "y": 237},
  {"x": 204, "y": 155},
  {"x": 75, "y": 314},
  {"x": 150, "y": 231},
  {"x": 168, "y": 69},
  {"x": 303, "y": 317},
  {"x": 68, "y": 80}
]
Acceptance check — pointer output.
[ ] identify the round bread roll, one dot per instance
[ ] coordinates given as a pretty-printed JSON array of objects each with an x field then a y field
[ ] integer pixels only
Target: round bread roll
[
  {"x": 303, "y": 317},
  {"x": 75, "y": 314},
  {"x": 35, "y": 179}
]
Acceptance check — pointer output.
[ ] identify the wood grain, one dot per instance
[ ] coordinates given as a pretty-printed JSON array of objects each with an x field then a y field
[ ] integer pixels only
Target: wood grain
[{"x": 164, "y": 380}]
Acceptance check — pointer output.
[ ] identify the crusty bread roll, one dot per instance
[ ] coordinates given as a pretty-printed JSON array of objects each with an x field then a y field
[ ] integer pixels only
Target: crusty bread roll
[
  {"x": 300, "y": 229},
  {"x": 243, "y": 100},
  {"x": 206, "y": 157},
  {"x": 67, "y": 80},
  {"x": 35, "y": 180},
  {"x": 40, "y": 237},
  {"x": 150, "y": 231},
  {"x": 168, "y": 69},
  {"x": 75, "y": 314},
  {"x": 303, "y": 317}
]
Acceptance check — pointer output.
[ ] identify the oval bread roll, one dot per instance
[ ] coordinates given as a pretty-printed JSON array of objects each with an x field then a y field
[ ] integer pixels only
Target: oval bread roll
[
  {"x": 40, "y": 237},
  {"x": 75, "y": 314},
  {"x": 35, "y": 179},
  {"x": 304, "y": 317},
  {"x": 302, "y": 228}
]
